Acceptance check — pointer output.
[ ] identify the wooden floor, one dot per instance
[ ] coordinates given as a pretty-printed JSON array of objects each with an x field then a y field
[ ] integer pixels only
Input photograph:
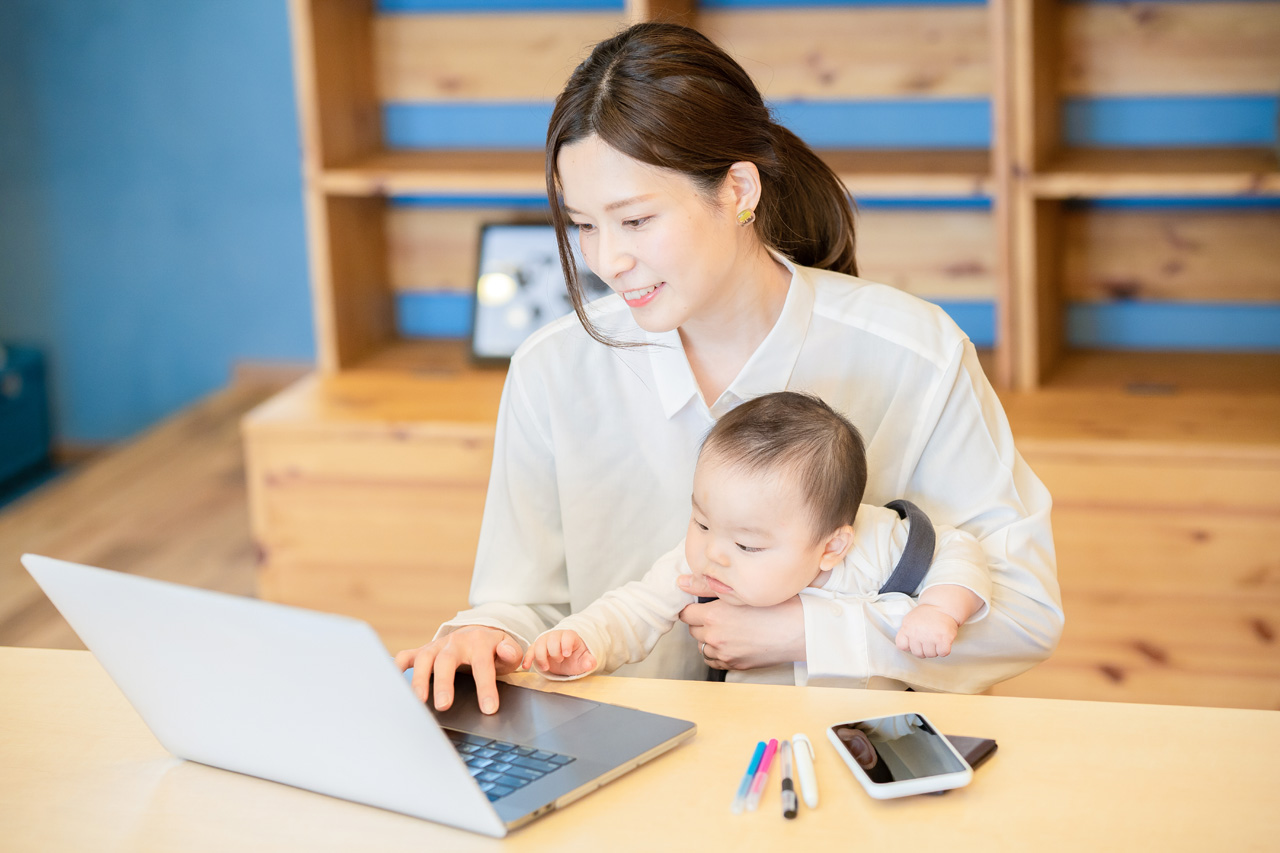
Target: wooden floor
[
  {"x": 1165, "y": 537},
  {"x": 170, "y": 505}
]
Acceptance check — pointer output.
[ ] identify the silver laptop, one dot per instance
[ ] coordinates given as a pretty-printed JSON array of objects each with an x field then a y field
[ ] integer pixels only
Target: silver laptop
[{"x": 313, "y": 700}]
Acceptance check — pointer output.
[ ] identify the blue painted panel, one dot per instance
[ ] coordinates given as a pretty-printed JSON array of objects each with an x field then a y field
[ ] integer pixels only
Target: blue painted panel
[
  {"x": 465, "y": 125},
  {"x": 977, "y": 319},
  {"x": 434, "y": 314},
  {"x": 959, "y": 123},
  {"x": 1210, "y": 121},
  {"x": 967, "y": 203},
  {"x": 1174, "y": 326},
  {"x": 864, "y": 124}
]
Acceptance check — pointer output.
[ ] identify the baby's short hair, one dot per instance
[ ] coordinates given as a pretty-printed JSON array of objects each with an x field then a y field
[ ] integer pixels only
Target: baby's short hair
[{"x": 806, "y": 437}]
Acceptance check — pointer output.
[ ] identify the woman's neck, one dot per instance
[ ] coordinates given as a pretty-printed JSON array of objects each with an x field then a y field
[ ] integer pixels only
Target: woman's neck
[{"x": 720, "y": 343}]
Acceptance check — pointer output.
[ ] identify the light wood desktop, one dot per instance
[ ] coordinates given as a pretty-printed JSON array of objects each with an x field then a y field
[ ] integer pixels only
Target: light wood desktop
[{"x": 80, "y": 771}]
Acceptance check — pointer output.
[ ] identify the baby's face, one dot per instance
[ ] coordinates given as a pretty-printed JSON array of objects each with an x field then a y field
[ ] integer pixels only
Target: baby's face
[{"x": 751, "y": 536}]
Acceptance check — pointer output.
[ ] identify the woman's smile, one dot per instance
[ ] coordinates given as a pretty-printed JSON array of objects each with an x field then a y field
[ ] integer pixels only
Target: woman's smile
[{"x": 643, "y": 296}]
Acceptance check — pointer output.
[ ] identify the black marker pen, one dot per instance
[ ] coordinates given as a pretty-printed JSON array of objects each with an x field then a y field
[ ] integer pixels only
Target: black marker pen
[{"x": 789, "y": 804}]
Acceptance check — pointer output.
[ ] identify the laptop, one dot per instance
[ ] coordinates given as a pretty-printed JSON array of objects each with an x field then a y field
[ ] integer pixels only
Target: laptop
[{"x": 313, "y": 700}]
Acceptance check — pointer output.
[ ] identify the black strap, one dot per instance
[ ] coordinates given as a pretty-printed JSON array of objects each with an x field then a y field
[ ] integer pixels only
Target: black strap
[
  {"x": 713, "y": 674},
  {"x": 913, "y": 565}
]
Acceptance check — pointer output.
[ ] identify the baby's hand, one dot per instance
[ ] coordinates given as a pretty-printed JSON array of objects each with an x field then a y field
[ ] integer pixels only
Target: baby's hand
[
  {"x": 927, "y": 632},
  {"x": 560, "y": 653}
]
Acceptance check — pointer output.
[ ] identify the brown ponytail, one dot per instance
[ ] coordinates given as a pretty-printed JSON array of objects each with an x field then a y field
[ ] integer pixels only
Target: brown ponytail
[{"x": 665, "y": 95}]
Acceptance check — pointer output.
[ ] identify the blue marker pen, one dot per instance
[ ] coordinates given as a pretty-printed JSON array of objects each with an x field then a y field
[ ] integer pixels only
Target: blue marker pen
[{"x": 741, "y": 799}]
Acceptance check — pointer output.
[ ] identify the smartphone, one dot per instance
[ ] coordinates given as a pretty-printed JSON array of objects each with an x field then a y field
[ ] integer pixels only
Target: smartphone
[
  {"x": 899, "y": 756},
  {"x": 974, "y": 750}
]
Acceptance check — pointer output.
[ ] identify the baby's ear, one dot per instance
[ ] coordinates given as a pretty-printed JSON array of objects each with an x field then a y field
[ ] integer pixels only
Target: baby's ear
[{"x": 837, "y": 545}]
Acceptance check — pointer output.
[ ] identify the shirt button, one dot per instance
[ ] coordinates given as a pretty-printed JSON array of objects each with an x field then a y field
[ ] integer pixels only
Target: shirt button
[{"x": 837, "y": 610}]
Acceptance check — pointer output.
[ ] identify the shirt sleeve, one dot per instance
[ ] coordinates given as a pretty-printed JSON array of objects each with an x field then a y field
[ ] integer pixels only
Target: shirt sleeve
[
  {"x": 959, "y": 560},
  {"x": 967, "y": 474},
  {"x": 520, "y": 584},
  {"x": 624, "y": 624}
]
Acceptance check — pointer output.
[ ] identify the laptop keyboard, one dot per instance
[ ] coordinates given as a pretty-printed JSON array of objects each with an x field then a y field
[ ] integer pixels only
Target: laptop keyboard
[{"x": 503, "y": 768}]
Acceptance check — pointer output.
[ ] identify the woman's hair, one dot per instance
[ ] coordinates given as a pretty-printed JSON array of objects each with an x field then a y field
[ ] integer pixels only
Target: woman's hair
[
  {"x": 799, "y": 436},
  {"x": 665, "y": 95}
]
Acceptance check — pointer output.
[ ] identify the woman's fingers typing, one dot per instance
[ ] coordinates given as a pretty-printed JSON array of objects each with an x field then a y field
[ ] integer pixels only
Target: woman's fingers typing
[{"x": 487, "y": 652}]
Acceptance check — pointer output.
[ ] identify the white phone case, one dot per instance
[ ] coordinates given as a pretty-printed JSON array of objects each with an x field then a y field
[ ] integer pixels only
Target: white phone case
[{"x": 885, "y": 790}]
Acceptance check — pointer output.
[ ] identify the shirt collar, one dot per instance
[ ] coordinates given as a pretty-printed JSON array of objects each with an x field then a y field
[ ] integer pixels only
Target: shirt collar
[{"x": 768, "y": 369}]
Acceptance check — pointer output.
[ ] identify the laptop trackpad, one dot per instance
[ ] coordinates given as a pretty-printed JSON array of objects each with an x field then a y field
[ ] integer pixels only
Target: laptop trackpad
[{"x": 523, "y": 714}]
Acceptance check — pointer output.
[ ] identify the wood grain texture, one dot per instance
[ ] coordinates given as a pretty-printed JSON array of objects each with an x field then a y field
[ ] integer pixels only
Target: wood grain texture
[
  {"x": 672, "y": 11},
  {"x": 858, "y": 52},
  {"x": 352, "y": 300},
  {"x": 819, "y": 54},
  {"x": 1171, "y": 255},
  {"x": 941, "y": 255},
  {"x": 338, "y": 112},
  {"x": 1255, "y": 376},
  {"x": 1219, "y": 48},
  {"x": 1117, "y": 173},
  {"x": 458, "y": 57}
]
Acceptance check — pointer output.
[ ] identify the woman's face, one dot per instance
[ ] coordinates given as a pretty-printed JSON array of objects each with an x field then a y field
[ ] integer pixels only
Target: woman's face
[{"x": 651, "y": 236}]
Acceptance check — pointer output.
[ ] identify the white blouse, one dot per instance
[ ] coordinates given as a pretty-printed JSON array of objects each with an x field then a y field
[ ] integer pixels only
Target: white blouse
[{"x": 593, "y": 473}]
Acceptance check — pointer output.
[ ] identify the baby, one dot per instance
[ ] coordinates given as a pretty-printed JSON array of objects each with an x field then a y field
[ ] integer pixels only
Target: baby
[{"x": 777, "y": 512}]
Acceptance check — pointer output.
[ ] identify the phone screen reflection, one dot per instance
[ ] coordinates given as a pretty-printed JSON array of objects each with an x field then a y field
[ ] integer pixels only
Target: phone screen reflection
[{"x": 898, "y": 748}]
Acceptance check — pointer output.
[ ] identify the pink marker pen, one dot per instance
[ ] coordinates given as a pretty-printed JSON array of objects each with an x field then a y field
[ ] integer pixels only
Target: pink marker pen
[{"x": 762, "y": 774}]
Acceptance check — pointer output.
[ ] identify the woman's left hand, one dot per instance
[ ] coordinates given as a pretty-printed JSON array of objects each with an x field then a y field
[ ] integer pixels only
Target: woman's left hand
[{"x": 734, "y": 637}]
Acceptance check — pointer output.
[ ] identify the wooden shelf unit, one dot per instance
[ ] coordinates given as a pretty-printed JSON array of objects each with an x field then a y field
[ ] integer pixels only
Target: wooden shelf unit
[
  {"x": 366, "y": 248},
  {"x": 1058, "y": 50},
  {"x": 367, "y": 480}
]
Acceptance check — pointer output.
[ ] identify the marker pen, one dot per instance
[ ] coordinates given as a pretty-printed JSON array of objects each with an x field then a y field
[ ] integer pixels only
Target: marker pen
[
  {"x": 804, "y": 768},
  {"x": 762, "y": 775},
  {"x": 741, "y": 799},
  {"x": 789, "y": 805}
]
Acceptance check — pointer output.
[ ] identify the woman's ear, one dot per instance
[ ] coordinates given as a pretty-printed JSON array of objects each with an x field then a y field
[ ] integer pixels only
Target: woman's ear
[
  {"x": 741, "y": 189},
  {"x": 837, "y": 545}
]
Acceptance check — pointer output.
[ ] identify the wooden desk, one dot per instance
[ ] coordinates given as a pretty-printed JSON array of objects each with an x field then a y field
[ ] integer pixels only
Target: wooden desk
[{"x": 79, "y": 771}]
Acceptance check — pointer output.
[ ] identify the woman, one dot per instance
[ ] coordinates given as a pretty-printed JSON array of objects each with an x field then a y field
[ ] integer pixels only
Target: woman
[{"x": 730, "y": 246}]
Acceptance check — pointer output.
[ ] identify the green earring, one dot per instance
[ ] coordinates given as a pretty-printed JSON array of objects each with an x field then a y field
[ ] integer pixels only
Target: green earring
[{"x": 746, "y": 217}]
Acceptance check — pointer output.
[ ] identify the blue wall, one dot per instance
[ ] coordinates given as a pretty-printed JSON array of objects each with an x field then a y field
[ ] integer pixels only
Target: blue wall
[{"x": 151, "y": 226}]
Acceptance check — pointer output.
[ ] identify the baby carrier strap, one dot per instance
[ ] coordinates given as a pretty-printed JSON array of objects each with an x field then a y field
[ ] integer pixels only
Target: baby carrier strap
[{"x": 913, "y": 565}]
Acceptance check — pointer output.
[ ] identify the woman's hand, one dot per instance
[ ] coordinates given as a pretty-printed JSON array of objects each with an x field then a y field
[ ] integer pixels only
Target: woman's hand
[
  {"x": 488, "y": 651},
  {"x": 734, "y": 637}
]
